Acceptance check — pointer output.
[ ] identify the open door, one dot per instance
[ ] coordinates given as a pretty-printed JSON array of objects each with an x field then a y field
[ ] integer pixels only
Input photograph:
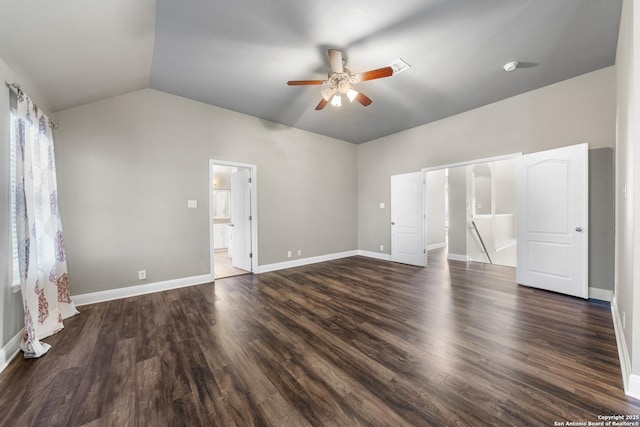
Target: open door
[
  {"x": 241, "y": 219},
  {"x": 408, "y": 229},
  {"x": 552, "y": 214}
]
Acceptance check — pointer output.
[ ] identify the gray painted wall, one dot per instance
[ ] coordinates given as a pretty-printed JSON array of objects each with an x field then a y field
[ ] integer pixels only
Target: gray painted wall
[
  {"x": 435, "y": 207},
  {"x": 482, "y": 192},
  {"x": 128, "y": 164},
  {"x": 601, "y": 218},
  {"x": 458, "y": 184},
  {"x": 504, "y": 173}
]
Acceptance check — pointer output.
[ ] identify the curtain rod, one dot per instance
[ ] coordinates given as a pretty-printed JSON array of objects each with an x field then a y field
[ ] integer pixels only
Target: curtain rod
[{"x": 15, "y": 87}]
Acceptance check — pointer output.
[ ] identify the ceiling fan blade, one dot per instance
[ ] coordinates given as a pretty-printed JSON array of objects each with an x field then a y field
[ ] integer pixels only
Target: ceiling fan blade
[
  {"x": 363, "y": 99},
  {"x": 335, "y": 60},
  {"x": 323, "y": 103},
  {"x": 375, "y": 74},
  {"x": 304, "y": 82}
]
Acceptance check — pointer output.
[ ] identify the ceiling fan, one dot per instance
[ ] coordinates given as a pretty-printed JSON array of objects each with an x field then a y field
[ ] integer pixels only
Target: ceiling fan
[{"x": 341, "y": 80}]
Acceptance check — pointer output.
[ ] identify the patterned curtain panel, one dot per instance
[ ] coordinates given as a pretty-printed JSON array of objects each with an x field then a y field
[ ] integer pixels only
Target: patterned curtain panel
[{"x": 43, "y": 267}]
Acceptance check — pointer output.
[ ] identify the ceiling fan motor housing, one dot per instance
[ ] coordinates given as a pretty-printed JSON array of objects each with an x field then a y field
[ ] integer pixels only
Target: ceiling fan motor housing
[{"x": 341, "y": 82}]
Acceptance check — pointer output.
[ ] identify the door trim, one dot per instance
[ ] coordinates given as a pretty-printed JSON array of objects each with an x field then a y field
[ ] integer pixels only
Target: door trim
[
  {"x": 473, "y": 162},
  {"x": 253, "y": 211}
]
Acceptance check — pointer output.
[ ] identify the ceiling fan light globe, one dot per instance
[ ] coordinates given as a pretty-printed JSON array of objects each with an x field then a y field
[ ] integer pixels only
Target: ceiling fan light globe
[
  {"x": 336, "y": 101},
  {"x": 352, "y": 94}
]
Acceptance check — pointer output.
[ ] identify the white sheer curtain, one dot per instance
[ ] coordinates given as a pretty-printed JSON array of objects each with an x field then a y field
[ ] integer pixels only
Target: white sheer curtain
[{"x": 43, "y": 268}]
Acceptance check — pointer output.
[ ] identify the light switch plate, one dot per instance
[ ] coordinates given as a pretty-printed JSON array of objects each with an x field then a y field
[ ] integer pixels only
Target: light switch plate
[
  {"x": 381, "y": 205},
  {"x": 192, "y": 204}
]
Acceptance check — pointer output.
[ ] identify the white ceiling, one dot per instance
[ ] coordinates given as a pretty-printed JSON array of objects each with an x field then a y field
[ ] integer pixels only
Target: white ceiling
[{"x": 239, "y": 55}]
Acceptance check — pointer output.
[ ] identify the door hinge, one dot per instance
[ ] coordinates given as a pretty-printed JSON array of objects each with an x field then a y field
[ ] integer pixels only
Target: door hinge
[
  {"x": 249, "y": 180},
  {"x": 250, "y": 254},
  {"x": 424, "y": 251},
  {"x": 250, "y": 218}
]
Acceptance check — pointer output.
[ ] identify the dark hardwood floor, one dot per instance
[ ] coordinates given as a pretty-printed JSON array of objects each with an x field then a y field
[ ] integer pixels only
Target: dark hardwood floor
[{"x": 349, "y": 342}]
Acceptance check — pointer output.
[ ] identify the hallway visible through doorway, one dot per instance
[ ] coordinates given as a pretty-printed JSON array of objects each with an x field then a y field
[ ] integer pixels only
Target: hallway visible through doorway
[{"x": 233, "y": 218}]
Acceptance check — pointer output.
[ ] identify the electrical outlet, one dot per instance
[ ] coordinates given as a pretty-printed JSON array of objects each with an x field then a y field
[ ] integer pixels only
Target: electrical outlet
[
  {"x": 299, "y": 252},
  {"x": 289, "y": 254},
  {"x": 142, "y": 274},
  {"x": 381, "y": 205},
  {"x": 381, "y": 248}
]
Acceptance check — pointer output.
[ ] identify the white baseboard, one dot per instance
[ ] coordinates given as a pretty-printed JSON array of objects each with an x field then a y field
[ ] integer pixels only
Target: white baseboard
[
  {"x": 436, "y": 245},
  {"x": 456, "y": 257},
  {"x": 132, "y": 291},
  {"x": 304, "y": 261},
  {"x": 600, "y": 294},
  {"x": 634, "y": 386},
  {"x": 376, "y": 255},
  {"x": 10, "y": 350},
  {"x": 631, "y": 381}
]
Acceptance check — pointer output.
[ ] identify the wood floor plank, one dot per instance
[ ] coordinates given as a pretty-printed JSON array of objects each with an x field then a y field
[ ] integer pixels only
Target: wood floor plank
[{"x": 350, "y": 342}]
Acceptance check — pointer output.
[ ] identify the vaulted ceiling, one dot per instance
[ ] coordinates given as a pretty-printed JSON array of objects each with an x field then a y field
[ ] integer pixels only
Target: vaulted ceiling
[{"x": 239, "y": 54}]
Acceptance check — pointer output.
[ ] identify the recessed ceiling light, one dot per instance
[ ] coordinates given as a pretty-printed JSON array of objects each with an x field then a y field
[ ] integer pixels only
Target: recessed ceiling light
[{"x": 510, "y": 66}]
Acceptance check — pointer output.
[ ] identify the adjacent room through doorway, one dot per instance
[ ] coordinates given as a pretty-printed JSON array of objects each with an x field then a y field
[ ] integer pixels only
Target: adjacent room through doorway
[
  {"x": 471, "y": 211},
  {"x": 232, "y": 230}
]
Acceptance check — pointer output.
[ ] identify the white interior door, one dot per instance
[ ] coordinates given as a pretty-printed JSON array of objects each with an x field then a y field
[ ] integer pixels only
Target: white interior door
[
  {"x": 240, "y": 218},
  {"x": 407, "y": 219},
  {"x": 552, "y": 214}
]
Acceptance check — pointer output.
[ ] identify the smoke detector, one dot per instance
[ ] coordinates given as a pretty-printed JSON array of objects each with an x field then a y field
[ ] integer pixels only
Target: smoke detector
[{"x": 510, "y": 66}]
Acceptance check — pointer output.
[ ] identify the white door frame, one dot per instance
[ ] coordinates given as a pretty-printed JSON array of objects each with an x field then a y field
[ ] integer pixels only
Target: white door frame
[{"x": 253, "y": 211}]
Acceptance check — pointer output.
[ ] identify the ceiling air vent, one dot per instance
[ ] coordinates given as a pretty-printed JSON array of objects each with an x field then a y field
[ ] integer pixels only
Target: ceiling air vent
[{"x": 399, "y": 66}]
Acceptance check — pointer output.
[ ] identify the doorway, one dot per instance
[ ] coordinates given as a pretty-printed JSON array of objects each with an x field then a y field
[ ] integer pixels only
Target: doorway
[
  {"x": 471, "y": 210},
  {"x": 549, "y": 235},
  {"x": 233, "y": 226}
]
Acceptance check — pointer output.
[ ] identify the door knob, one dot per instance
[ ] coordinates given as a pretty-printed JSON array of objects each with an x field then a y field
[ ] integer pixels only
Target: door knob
[{"x": 579, "y": 229}]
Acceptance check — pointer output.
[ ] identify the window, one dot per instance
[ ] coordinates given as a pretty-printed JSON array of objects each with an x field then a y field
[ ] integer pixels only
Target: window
[{"x": 13, "y": 143}]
